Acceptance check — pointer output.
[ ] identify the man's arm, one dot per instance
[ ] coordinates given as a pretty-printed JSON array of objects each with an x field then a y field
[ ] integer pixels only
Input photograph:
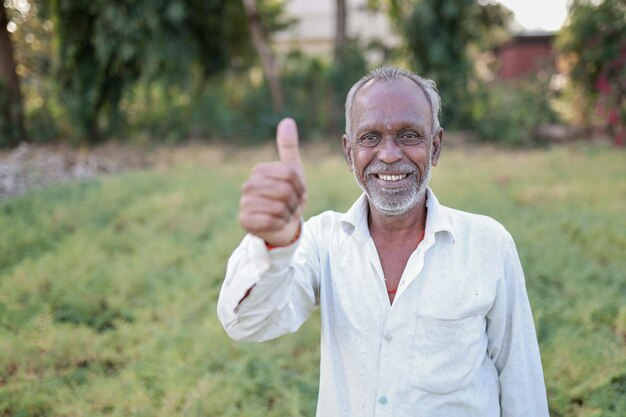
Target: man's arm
[
  {"x": 267, "y": 292},
  {"x": 513, "y": 343}
]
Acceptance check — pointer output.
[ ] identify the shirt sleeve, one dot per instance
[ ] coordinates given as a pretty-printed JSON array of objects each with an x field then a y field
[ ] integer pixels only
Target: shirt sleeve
[
  {"x": 513, "y": 343},
  {"x": 283, "y": 284}
]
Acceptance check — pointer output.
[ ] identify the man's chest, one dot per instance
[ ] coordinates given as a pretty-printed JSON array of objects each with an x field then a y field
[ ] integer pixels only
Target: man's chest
[
  {"x": 433, "y": 336},
  {"x": 438, "y": 281}
]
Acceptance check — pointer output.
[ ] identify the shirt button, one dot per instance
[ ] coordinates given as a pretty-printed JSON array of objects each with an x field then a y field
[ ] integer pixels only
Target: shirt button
[
  {"x": 388, "y": 338},
  {"x": 383, "y": 400}
]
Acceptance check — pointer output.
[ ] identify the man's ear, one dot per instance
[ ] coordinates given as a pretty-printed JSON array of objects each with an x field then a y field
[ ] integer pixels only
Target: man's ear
[
  {"x": 347, "y": 151},
  {"x": 436, "y": 148}
]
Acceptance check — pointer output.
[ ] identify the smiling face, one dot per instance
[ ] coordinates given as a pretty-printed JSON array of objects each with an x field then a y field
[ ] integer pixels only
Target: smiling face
[{"x": 392, "y": 146}]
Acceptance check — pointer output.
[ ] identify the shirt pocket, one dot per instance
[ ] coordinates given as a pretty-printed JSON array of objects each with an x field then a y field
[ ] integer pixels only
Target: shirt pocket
[{"x": 447, "y": 353}]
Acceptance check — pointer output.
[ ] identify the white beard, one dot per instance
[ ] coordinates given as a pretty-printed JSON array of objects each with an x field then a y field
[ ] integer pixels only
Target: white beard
[{"x": 394, "y": 201}]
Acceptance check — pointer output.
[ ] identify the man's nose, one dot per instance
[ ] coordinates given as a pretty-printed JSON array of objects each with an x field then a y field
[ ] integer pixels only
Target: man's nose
[{"x": 389, "y": 151}]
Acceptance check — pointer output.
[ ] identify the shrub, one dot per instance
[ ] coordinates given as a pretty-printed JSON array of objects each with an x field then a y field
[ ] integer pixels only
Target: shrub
[
  {"x": 510, "y": 114},
  {"x": 594, "y": 44},
  {"x": 236, "y": 107}
]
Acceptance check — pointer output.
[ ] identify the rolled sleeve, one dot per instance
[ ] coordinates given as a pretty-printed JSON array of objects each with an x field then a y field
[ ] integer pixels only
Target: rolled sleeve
[{"x": 281, "y": 284}]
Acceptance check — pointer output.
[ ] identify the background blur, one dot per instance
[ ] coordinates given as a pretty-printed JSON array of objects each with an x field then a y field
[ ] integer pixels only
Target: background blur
[
  {"x": 108, "y": 283},
  {"x": 82, "y": 71}
]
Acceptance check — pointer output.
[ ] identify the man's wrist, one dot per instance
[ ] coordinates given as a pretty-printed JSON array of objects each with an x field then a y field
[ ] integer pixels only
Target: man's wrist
[{"x": 270, "y": 246}]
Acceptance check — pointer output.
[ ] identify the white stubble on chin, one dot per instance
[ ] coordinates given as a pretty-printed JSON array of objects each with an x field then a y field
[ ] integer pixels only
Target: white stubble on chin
[{"x": 393, "y": 201}]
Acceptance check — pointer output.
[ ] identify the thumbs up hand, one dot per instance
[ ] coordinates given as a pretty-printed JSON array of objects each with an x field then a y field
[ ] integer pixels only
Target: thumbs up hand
[{"x": 273, "y": 198}]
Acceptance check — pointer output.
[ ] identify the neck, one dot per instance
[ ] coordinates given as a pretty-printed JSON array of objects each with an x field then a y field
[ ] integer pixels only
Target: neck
[{"x": 398, "y": 227}]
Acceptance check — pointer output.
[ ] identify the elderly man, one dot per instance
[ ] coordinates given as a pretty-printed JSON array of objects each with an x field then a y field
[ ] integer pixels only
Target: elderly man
[{"x": 424, "y": 308}]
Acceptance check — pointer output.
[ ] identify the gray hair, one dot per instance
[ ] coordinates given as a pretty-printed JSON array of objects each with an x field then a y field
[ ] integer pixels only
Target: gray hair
[{"x": 388, "y": 73}]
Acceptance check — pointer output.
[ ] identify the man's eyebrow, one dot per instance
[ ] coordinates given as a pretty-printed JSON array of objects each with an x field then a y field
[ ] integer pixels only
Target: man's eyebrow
[
  {"x": 400, "y": 127},
  {"x": 364, "y": 130},
  {"x": 417, "y": 130}
]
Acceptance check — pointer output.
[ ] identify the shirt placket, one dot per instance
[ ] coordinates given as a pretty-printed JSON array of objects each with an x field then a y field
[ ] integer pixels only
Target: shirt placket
[
  {"x": 387, "y": 403},
  {"x": 385, "y": 399},
  {"x": 414, "y": 265}
]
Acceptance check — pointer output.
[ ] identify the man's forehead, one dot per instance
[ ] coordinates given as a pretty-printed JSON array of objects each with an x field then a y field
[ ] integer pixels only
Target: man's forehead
[
  {"x": 391, "y": 88},
  {"x": 379, "y": 98}
]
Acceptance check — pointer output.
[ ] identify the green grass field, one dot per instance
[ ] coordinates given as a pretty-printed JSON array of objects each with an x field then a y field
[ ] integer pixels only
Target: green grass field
[{"x": 108, "y": 288}]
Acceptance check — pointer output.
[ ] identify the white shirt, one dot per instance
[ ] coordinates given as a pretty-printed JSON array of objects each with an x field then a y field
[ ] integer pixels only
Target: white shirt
[{"x": 458, "y": 341}]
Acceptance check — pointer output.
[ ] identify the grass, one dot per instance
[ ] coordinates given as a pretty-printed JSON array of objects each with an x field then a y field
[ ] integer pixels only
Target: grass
[{"x": 108, "y": 288}]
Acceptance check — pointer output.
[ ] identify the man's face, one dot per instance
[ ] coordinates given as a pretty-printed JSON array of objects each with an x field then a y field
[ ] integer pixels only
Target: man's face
[{"x": 392, "y": 146}]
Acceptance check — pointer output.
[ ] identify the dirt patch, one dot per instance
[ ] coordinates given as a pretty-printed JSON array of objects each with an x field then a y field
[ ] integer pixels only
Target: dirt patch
[
  {"x": 35, "y": 166},
  {"x": 32, "y": 166}
]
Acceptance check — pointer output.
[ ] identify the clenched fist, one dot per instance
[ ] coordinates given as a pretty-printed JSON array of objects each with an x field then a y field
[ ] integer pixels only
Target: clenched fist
[{"x": 273, "y": 198}]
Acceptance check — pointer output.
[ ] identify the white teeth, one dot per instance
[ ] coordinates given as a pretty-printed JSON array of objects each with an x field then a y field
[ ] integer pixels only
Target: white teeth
[{"x": 391, "y": 177}]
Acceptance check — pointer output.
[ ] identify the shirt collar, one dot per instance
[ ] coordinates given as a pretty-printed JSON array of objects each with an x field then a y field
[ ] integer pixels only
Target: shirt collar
[
  {"x": 354, "y": 221},
  {"x": 437, "y": 218}
]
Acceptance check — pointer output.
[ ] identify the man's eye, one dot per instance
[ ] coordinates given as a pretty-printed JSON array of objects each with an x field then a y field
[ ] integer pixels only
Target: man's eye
[
  {"x": 369, "y": 140},
  {"x": 410, "y": 138}
]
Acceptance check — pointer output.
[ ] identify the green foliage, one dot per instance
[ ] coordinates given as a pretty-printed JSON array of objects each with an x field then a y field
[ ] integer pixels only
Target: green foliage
[
  {"x": 511, "y": 113},
  {"x": 316, "y": 90},
  {"x": 108, "y": 288},
  {"x": 107, "y": 304},
  {"x": 105, "y": 48},
  {"x": 236, "y": 110},
  {"x": 594, "y": 40},
  {"x": 33, "y": 49},
  {"x": 83, "y": 65},
  {"x": 439, "y": 34},
  {"x": 172, "y": 70},
  {"x": 231, "y": 110}
]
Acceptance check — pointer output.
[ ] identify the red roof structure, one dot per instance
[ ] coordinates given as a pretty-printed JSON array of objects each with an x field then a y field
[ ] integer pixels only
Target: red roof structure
[{"x": 524, "y": 54}]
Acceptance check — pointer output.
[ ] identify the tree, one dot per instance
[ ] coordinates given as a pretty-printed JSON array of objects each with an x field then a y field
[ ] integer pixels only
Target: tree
[
  {"x": 338, "y": 64},
  {"x": 438, "y": 35},
  {"x": 341, "y": 18},
  {"x": 261, "y": 43},
  {"x": 11, "y": 113},
  {"x": 105, "y": 48},
  {"x": 594, "y": 44}
]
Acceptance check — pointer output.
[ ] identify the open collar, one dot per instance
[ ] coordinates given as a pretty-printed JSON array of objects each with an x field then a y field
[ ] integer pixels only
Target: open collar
[{"x": 354, "y": 221}]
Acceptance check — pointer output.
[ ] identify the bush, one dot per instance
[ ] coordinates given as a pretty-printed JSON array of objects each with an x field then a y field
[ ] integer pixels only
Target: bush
[
  {"x": 237, "y": 107},
  {"x": 510, "y": 114},
  {"x": 594, "y": 45}
]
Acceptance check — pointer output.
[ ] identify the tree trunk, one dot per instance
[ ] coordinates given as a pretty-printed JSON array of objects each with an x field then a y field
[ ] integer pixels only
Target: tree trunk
[
  {"x": 11, "y": 109},
  {"x": 340, "y": 29},
  {"x": 338, "y": 64},
  {"x": 260, "y": 42}
]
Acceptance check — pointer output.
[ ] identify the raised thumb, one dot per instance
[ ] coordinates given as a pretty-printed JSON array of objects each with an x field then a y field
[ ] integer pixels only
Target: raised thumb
[{"x": 287, "y": 141}]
